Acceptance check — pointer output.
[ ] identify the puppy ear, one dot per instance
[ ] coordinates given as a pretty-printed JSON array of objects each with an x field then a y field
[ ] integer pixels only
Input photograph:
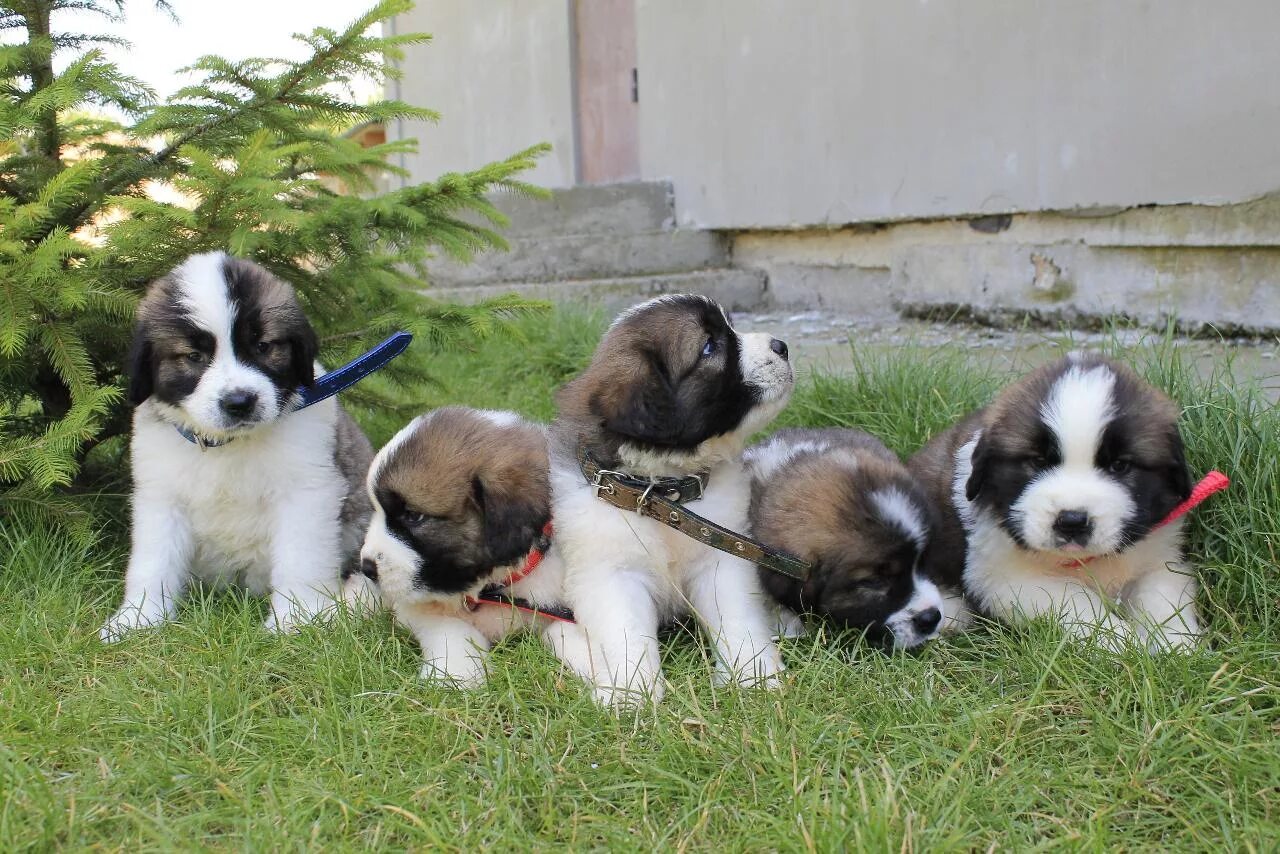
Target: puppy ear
[
  {"x": 141, "y": 367},
  {"x": 1179, "y": 474},
  {"x": 511, "y": 520},
  {"x": 981, "y": 464},
  {"x": 647, "y": 410},
  {"x": 303, "y": 348}
]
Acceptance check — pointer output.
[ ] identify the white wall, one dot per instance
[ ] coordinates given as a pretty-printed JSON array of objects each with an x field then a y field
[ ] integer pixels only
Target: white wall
[
  {"x": 498, "y": 72},
  {"x": 776, "y": 114}
]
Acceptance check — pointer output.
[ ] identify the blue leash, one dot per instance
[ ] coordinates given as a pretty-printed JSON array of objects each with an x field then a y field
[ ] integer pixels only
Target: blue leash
[{"x": 328, "y": 385}]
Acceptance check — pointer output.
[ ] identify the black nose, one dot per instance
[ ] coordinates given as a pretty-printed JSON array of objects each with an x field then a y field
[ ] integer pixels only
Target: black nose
[
  {"x": 779, "y": 347},
  {"x": 238, "y": 403},
  {"x": 1072, "y": 524},
  {"x": 927, "y": 620},
  {"x": 369, "y": 569}
]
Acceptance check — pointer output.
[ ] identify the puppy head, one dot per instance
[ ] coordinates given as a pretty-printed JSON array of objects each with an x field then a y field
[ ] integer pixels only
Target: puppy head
[
  {"x": 220, "y": 346},
  {"x": 1079, "y": 458},
  {"x": 458, "y": 496},
  {"x": 862, "y": 523},
  {"x": 672, "y": 374}
]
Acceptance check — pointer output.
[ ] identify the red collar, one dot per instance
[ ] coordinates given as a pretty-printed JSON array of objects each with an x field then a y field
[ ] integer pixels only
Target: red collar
[
  {"x": 1214, "y": 481},
  {"x": 502, "y": 596}
]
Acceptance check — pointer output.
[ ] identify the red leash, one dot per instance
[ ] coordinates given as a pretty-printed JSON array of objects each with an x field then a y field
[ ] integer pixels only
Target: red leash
[
  {"x": 532, "y": 560},
  {"x": 1214, "y": 481}
]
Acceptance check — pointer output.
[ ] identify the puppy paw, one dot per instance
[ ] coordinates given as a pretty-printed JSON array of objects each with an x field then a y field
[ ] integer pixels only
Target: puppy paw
[
  {"x": 126, "y": 620},
  {"x": 453, "y": 674},
  {"x": 362, "y": 596},
  {"x": 762, "y": 671},
  {"x": 1162, "y": 640},
  {"x": 789, "y": 624},
  {"x": 622, "y": 699},
  {"x": 289, "y": 614}
]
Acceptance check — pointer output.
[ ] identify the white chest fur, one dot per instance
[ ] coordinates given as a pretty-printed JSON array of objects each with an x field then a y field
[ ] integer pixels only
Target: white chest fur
[{"x": 230, "y": 496}]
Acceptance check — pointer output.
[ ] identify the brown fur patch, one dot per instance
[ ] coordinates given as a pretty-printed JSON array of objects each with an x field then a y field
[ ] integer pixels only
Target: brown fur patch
[
  {"x": 819, "y": 507},
  {"x": 484, "y": 488}
]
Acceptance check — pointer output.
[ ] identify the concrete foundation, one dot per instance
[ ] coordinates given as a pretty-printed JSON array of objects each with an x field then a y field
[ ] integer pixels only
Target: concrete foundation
[{"x": 1208, "y": 267}]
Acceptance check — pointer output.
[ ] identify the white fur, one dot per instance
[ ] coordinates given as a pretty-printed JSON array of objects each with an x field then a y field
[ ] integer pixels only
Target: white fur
[
  {"x": 925, "y": 595},
  {"x": 1144, "y": 594},
  {"x": 764, "y": 460},
  {"x": 454, "y": 639},
  {"x": 261, "y": 512},
  {"x": 900, "y": 511},
  {"x": 625, "y": 574},
  {"x": 1078, "y": 409}
]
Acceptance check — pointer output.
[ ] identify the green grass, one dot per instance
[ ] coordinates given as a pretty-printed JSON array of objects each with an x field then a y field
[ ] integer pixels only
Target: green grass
[{"x": 209, "y": 733}]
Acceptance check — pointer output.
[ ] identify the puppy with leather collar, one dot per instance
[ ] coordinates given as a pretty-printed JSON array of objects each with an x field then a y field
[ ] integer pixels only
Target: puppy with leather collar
[
  {"x": 845, "y": 504},
  {"x": 672, "y": 391},
  {"x": 230, "y": 485},
  {"x": 461, "y": 498},
  {"x": 1053, "y": 494}
]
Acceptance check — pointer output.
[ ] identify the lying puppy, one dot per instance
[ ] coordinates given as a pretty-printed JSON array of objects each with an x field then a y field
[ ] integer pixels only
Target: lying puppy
[
  {"x": 230, "y": 485},
  {"x": 844, "y": 503},
  {"x": 1052, "y": 493},
  {"x": 461, "y": 498},
  {"x": 672, "y": 392}
]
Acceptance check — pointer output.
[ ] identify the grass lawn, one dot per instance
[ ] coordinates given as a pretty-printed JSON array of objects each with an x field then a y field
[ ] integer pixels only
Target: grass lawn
[{"x": 209, "y": 733}]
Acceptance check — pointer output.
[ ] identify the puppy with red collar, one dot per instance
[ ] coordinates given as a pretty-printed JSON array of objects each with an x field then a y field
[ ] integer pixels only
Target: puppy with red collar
[
  {"x": 1055, "y": 498},
  {"x": 461, "y": 507}
]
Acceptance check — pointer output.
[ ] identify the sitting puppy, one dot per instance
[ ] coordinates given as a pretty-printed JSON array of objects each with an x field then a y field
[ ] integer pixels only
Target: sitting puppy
[
  {"x": 672, "y": 392},
  {"x": 229, "y": 484},
  {"x": 461, "y": 498},
  {"x": 1053, "y": 493},
  {"x": 844, "y": 503}
]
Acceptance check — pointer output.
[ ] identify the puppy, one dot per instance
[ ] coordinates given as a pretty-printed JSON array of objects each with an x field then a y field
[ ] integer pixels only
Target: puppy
[
  {"x": 844, "y": 503},
  {"x": 259, "y": 495},
  {"x": 1052, "y": 493},
  {"x": 671, "y": 391},
  {"x": 460, "y": 500}
]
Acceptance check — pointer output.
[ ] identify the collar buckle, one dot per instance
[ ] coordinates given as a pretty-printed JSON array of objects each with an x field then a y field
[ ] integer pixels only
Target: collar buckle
[
  {"x": 598, "y": 484},
  {"x": 643, "y": 500}
]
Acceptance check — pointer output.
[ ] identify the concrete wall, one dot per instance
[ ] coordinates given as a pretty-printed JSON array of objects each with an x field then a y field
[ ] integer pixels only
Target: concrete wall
[
  {"x": 769, "y": 114},
  {"x": 499, "y": 74}
]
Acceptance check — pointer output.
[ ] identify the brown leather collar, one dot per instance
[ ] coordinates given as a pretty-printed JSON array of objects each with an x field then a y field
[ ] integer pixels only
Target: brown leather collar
[{"x": 661, "y": 499}]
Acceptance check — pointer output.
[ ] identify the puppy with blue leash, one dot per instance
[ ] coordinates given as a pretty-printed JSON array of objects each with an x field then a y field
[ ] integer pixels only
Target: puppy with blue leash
[{"x": 246, "y": 470}]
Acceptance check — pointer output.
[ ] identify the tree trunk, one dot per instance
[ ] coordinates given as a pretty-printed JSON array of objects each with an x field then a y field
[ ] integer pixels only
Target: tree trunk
[{"x": 48, "y": 137}]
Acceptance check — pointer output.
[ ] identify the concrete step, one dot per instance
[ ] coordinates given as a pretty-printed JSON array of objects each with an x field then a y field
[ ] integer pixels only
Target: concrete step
[
  {"x": 603, "y": 209},
  {"x": 587, "y": 256},
  {"x": 736, "y": 290}
]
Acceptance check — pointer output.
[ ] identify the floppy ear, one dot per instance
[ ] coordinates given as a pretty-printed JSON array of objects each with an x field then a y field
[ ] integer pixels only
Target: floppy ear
[
  {"x": 303, "y": 347},
  {"x": 1179, "y": 474},
  {"x": 647, "y": 411},
  {"x": 141, "y": 368},
  {"x": 511, "y": 521},
  {"x": 981, "y": 464}
]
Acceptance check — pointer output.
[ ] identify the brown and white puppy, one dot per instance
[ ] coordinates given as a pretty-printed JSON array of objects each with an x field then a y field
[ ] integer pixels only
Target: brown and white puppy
[
  {"x": 845, "y": 504},
  {"x": 460, "y": 497},
  {"x": 671, "y": 391},
  {"x": 1052, "y": 494},
  {"x": 274, "y": 503}
]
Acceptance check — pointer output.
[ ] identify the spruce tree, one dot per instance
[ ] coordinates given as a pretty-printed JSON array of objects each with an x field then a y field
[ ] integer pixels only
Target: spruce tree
[{"x": 253, "y": 150}]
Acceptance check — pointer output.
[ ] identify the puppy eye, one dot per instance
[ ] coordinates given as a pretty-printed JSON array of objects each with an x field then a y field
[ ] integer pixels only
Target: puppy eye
[
  {"x": 709, "y": 348},
  {"x": 265, "y": 347},
  {"x": 195, "y": 358},
  {"x": 1043, "y": 461},
  {"x": 412, "y": 517},
  {"x": 1120, "y": 465}
]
